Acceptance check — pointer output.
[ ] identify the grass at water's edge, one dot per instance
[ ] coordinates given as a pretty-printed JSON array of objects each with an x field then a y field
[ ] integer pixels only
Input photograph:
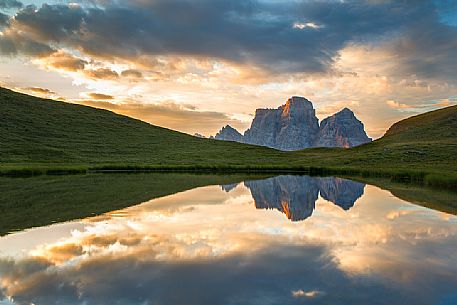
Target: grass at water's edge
[
  {"x": 446, "y": 180},
  {"x": 27, "y": 202}
]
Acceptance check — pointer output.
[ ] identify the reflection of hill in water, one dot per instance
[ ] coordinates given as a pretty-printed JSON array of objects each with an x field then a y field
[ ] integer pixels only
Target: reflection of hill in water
[{"x": 296, "y": 196}]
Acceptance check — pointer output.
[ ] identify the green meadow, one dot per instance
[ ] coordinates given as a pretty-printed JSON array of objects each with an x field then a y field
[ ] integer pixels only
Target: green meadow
[{"x": 40, "y": 136}]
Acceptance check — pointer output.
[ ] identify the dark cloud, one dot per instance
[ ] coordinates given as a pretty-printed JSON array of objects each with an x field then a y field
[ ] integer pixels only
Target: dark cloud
[
  {"x": 55, "y": 23},
  {"x": 255, "y": 32},
  {"x": 3, "y": 20},
  {"x": 10, "y": 4},
  {"x": 427, "y": 48},
  {"x": 259, "y": 33},
  {"x": 12, "y": 43}
]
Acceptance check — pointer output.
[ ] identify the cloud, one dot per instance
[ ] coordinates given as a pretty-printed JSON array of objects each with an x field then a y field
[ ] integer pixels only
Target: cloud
[
  {"x": 422, "y": 106},
  {"x": 14, "y": 43},
  {"x": 63, "y": 61},
  {"x": 41, "y": 91},
  {"x": 396, "y": 105},
  {"x": 437, "y": 60},
  {"x": 102, "y": 73},
  {"x": 10, "y": 4},
  {"x": 302, "y": 26},
  {"x": 131, "y": 73},
  {"x": 99, "y": 96},
  {"x": 249, "y": 32},
  {"x": 307, "y": 294},
  {"x": 333, "y": 108},
  {"x": 171, "y": 115},
  {"x": 3, "y": 20}
]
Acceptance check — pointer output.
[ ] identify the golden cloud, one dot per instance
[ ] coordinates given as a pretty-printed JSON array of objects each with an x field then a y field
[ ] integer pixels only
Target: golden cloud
[
  {"x": 62, "y": 60},
  {"x": 395, "y": 105},
  {"x": 170, "y": 115},
  {"x": 101, "y": 73},
  {"x": 99, "y": 96},
  {"x": 40, "y": 91}
]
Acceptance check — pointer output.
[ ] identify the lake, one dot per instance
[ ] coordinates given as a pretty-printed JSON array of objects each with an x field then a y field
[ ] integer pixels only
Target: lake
[{"x": 184, "y": 239}]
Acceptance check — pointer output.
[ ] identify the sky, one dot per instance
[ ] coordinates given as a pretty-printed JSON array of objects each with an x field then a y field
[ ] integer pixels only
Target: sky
[{"x": 195, "y": 66}]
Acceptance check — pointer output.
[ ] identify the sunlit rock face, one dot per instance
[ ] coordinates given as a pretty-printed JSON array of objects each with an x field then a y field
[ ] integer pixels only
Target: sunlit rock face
[
  {"x": 228, "y": 133},
  {"x": 296, "y": 196},
  {"x": 294, "y": 126},
  {"x": 342, "y": 129}
]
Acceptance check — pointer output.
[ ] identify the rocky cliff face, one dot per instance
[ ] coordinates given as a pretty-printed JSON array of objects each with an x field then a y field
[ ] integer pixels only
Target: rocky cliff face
[
  {"x": 294, "y": 126},
  {"x": 342, "y": 129},
  {"x": 228, "y": 133}
]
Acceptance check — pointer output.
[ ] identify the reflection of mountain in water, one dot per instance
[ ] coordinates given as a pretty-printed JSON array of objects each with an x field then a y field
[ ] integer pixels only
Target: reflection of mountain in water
[
  {"x": 296, "y": 196},
  {"x": 341, "y": 192},
  {"x": 228, "y": 187}
]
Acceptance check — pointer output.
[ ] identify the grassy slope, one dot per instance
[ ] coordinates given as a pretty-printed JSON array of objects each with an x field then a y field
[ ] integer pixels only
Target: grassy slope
[{"x": 38, "y": 133}]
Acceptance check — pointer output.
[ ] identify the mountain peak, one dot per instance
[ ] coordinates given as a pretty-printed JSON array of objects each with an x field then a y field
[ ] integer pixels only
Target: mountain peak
[
  {"x": 346, "y": 109},
  {"x": 294, "y": 126},
  {"x": 228, "y": 133},
  {"x": 298, "y": 102},
  {"x": 342, "y": 129},
  {"x": 345, "y": 112}
]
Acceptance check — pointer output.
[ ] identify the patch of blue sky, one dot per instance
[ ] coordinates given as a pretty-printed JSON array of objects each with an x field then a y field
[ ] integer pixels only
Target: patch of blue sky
[{"x": 447, "y": 11}]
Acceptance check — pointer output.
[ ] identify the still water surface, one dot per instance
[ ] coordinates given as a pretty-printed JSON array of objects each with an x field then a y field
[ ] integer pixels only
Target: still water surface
[{"x": 281, "y": 240}]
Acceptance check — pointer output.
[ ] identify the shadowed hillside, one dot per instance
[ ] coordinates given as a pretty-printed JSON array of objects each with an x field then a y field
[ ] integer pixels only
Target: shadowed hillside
[{"x": 40, "y": 131}]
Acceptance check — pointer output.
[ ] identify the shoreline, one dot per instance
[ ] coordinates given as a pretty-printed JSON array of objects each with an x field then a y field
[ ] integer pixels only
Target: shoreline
[{"x": 438, "y": 179}]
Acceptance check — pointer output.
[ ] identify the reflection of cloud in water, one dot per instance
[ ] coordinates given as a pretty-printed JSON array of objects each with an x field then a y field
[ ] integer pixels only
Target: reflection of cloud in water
[{"x": 207, "y": 246}]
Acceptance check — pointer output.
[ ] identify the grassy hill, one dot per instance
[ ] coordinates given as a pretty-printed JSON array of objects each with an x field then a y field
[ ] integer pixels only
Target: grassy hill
[{"x": 39, "y": 135}]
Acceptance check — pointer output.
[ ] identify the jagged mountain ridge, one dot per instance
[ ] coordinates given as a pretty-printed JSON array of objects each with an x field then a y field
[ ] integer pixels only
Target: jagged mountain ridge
[
  {"x": 342, "y": 129},
  {"x": 294, "y": 126},
  {"x": 228, "y": 133}
]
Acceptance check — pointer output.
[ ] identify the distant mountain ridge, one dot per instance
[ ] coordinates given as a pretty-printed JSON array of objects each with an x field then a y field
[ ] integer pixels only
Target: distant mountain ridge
[{"x": 294, "y": 126}]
